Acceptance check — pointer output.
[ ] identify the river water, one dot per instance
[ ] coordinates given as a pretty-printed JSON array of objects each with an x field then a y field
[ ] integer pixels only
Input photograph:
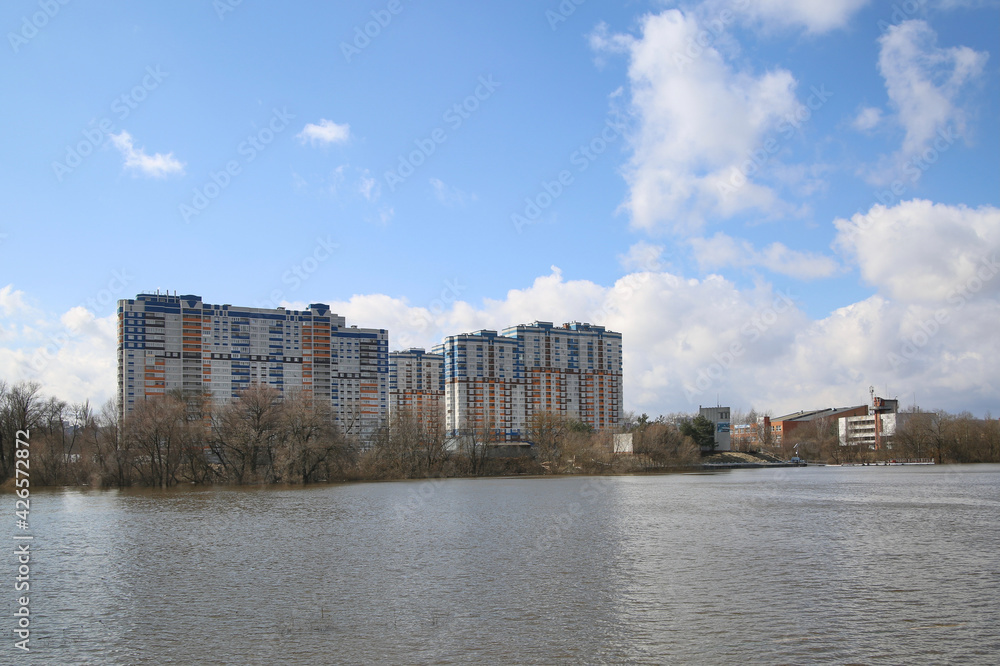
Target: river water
[{"x": 897, "y": 565}]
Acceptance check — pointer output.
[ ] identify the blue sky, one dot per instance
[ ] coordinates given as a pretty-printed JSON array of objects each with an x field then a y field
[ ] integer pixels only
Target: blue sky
[{"x": 717, "y": 159}]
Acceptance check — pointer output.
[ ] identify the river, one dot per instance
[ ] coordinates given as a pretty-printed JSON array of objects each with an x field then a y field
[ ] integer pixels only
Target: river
[{"x": 894, "y": 565}]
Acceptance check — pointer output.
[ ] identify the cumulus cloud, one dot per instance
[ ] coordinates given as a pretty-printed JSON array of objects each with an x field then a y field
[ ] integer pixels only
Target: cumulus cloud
[
  {"x": 642, "y": 256},
  {"x": 324, "y": 133},
  {"x": 157, "y": 165},
  {"x": 699, "y": 120},
  {"x": 686, "y": 340},
  {"x": 12, "y": 301},
  {"x": 814, "y": 16},
  {"x": 72, "y": 355},
  {"x": 723, "y": 250},
  {"x": 922, "y": 252},
  {"x": 924, "y": 82}
]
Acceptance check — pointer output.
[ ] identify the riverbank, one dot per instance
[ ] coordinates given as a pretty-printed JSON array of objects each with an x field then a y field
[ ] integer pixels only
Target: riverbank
[{"x": 739, "y": 460}]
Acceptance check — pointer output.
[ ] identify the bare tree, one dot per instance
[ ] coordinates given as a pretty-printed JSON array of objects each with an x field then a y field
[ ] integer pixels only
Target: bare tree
[
  {"x": 819, "y": 440},
  {"x": 19, "y": 410},
  {"x": 314, "y": 449},
  {"x": 546, "y": 431},
  {"x": 392, "y": 450},
  {"x": 476, "y": 444},
  {"x": 246, "y": 433},
  {"x": 665, "y": 445},
  {"x": 765, "y": 432},
  {"x": 112, "y": 451},
  {"x": 160, "y": 433}
]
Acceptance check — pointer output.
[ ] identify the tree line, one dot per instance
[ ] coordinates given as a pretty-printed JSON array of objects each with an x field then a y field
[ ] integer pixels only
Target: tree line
[{"x": 264, "y": 437}]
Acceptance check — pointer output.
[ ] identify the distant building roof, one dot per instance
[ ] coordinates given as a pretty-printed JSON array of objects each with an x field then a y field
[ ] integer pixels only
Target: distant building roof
[{"x": 818, "y": 413}]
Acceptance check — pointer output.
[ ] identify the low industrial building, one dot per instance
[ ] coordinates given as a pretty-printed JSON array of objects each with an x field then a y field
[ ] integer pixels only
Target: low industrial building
[{"x": 720, "y": 417}]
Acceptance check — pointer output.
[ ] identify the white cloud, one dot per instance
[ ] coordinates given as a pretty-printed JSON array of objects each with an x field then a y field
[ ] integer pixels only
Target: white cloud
[
  {"x": 12, "y": 301},
  {"x": 922, "y": 252},
  {"x": 699, "y": 121},
  {"x": 867, "y": 119},
  {"x": 722, "y": 250},
  {"x": 602, "y": 40},
  {"x": 642, "y": 256},
  {"x": 815, "y": 16},
  {"x": 72, "y": 355},
  {"x": 157, "y": 165},
  {"x": 326, "y": 132},
  {"x": 924, "y": 82},
  {"x": 675, "y": 330},
  {"x": 902, "y": 349},
  {"x": 686, "y": 341},
  {"x": 448, "y": 195},
  {"x": 369, "y": 187}
]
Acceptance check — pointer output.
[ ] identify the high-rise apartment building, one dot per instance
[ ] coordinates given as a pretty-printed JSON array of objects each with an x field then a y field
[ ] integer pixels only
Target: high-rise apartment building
[
  {"x": 215, "y": 351},
  {"x": 484, "y": 386},
  {"x": 416, "y": 386},
  {"x": 574, "y": 370},
  {"x": 499, "y": 382}
]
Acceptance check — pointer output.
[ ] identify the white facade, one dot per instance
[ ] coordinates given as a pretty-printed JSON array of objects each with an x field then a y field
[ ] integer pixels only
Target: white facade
[
  {"x": 874, "y": 430},
  {"x": 623, "y": 443},
  {"x": 862, "y": 431}
]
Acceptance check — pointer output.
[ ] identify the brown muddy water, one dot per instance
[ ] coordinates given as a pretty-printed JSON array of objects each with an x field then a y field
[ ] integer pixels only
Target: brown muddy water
[{"x": 897, "y": 565}]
